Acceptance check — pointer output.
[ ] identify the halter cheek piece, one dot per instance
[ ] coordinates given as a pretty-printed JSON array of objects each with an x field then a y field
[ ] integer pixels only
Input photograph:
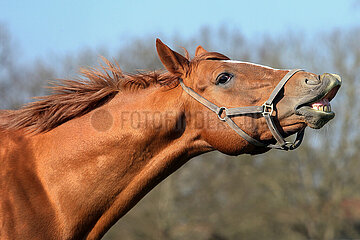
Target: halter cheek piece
[{"x": 265, "y": 110}]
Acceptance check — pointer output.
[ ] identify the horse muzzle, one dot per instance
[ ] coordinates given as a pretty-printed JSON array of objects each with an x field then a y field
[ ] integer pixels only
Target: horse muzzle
[{"x": 315, "y": 107}]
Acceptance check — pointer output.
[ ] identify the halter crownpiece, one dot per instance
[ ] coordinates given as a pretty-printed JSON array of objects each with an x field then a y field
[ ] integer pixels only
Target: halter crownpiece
[{"x": 265, "y": 110}]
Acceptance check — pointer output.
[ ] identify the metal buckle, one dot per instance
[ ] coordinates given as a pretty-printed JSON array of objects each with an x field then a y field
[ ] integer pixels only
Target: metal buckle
[
  {"x": 268, "y": 109},
  {"x": 220, "y": 112},
  {"x": 288, "y": 146}
]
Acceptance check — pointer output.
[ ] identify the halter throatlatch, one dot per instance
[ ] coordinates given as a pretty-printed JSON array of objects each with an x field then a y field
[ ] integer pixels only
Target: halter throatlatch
[{"x": 266, "y": 110}]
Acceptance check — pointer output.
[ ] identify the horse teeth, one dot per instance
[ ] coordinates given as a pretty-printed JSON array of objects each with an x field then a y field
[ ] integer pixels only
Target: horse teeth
[{"x": 321, "y": 107}]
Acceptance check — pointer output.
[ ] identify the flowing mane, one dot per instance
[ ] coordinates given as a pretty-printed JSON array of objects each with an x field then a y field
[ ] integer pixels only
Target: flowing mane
[
  {"x": 96, "y": 86},
  {"x": 73, "y": 98}
]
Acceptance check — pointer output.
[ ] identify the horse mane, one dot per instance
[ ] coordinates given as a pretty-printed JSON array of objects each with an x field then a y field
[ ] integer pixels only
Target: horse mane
[{"x": 74, "y": 98}]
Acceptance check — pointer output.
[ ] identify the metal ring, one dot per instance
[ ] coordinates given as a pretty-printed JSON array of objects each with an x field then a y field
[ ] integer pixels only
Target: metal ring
[{"x": 220, "y": 112}]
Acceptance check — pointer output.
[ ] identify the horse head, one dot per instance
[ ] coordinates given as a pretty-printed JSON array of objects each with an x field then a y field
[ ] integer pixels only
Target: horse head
[{"x": 261, "y": 105}]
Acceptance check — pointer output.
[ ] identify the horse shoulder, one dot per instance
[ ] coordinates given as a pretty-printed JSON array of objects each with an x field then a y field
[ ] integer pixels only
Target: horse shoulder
[{"x": 25, "y": 210}]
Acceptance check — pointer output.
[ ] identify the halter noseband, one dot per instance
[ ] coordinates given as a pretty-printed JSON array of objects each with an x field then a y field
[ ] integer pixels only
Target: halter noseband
[{"x": 265, "y": 110}]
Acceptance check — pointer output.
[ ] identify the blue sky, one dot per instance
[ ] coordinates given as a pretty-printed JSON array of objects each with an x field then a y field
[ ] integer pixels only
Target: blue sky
[{"x": 42, "y": 27}]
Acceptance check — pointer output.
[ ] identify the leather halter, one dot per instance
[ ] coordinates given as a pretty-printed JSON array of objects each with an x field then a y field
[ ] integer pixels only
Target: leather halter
[{"x": 265, "y": 110}]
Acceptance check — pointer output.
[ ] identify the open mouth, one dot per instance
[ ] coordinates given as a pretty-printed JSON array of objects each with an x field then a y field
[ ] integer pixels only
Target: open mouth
[
  {"x": 323, "y": 104},
  {"x": 317, "y": 111}
]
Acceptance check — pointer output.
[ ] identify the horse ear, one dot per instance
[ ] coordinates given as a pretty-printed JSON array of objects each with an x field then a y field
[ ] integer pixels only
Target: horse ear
[
  {"x": 200, "y": 50},
  {"x": 201, "y": 53},
  {"x": 173, "y": 61}
]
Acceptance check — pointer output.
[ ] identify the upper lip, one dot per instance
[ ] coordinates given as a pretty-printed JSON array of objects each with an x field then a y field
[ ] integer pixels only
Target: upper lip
[{"x": 327, "y": 90}]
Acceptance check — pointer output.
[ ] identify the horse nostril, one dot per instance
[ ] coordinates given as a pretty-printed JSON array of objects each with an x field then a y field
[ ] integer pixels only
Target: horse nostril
[{"x": 314, "y": 81}]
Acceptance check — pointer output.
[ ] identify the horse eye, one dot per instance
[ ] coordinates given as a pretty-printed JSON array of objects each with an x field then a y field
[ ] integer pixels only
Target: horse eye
[{"x": 223, "y": 78}]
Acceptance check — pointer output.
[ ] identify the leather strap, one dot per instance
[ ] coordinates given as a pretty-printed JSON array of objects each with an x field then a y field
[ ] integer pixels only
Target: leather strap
[
  {"x": 281, "y": 84},
  {"x": 270, "y": 103},
  {"x": 244, "y": 110},
  {"x": 199, "y": 98},
  {"x": 266, "y": 110},
  {"x": 243, "y": 134}
]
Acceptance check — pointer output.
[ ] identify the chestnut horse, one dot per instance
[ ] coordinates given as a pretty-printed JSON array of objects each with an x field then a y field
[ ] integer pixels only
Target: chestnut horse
[{"x": 74, "y": 162}]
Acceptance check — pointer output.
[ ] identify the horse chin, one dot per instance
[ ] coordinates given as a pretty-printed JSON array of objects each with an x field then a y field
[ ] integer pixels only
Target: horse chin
[{"x": 314, "y": 118}]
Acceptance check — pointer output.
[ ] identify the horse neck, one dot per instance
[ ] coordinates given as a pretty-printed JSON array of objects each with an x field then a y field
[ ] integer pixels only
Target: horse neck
[{"x": 96, "y": 167}]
